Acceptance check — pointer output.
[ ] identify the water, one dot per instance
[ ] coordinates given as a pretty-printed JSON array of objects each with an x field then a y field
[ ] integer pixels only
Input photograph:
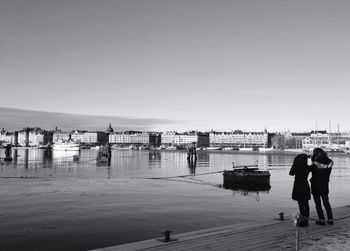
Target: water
[{"x": 47, "y": 198}]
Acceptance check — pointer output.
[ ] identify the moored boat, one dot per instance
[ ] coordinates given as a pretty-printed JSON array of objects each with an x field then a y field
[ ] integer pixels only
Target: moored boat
[
  {"x": 247, "y": 178},
  {"x": 214, "y": 148},
  {"x": 66, "y": 146},
  {"x": 246, "y": 149},
  {"x": 263, "y": 149}
]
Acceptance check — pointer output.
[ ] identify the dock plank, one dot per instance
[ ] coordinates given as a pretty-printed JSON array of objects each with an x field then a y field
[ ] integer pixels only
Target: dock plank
[{"x": 262, "y": 235}]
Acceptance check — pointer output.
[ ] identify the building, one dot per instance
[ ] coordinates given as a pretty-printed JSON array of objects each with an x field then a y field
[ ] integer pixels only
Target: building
[
  {"x": 168, "y": 138},
  {"x": 308, "y": 143},
  {"x": 135, "y": 138},
  {"x": 239, "y": 138},
  {"x": 77, "y": 136},
  {"x": 34, "y": 137},
  {"x": 89, "y": 138},
  {"x": 7, "y": 137},
  {"x": 58, "y": 135},
  {"x": 109, "y": 129},
  {"x": 185, "y": 139},
  {"x": 120, "y": 138}
]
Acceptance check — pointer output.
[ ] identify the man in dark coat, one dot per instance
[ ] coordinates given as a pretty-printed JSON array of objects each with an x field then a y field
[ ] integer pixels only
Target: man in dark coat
[
  {"x": 301, "y": 188},
  {"x": 321, "y": 170}
]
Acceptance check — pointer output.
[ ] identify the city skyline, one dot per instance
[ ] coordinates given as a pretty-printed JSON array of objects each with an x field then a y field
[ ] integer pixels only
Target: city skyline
[
  {"x": 165, "y": 65},
  {"x": 18, "y": 119}
]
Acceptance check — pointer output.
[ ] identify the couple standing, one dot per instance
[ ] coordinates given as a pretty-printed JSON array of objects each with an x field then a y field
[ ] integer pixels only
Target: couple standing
[{"x": 321, "y": 169}]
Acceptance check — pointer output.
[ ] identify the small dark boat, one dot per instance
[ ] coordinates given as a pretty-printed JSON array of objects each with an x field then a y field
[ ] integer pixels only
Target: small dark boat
[{"x": 247, "y": 178}]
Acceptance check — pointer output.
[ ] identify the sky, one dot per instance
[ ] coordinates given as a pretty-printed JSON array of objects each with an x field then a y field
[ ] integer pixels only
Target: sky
[{"x": 195, "y": 64}]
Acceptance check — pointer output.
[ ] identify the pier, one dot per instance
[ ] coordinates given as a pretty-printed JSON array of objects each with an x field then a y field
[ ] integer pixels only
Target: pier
[{"x": 267, "y": 234}]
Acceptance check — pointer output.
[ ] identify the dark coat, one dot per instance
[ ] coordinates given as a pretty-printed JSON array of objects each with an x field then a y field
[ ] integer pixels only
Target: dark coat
[
  {"x": 320, "y": 177},
  {"x": 300, "y": 169}
]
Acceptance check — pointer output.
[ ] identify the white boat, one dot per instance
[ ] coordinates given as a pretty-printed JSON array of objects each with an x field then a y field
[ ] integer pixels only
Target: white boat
[
  {"x": 294, "y": 150},
  {"x": 66, "y": 146},
  {"x": 213, "y": 148},
  {"x": 246, "y": 149},
  {"x": 171, "y": 148},
  {"x": 228, "y": 149},
  {"x": 263, "y": 149}
]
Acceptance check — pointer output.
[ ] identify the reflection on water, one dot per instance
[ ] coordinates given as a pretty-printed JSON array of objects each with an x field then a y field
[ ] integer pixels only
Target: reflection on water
[
  {"x": 141, "y": 186},
  {"x": 247, "y": 193},
  {"x": 152, "y": 164}
]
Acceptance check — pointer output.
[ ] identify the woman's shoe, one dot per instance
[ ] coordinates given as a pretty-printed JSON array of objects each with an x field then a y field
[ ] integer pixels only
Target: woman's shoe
[
  {"x": 322, "y": 223},
  {"x": 304, "y": 224}
]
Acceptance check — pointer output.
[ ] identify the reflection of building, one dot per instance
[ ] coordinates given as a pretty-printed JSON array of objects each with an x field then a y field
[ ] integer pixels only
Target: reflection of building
[{"x": 239, "y": 138}]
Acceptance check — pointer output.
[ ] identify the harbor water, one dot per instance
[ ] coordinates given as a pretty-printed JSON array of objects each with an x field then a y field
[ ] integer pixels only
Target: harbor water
[{"x": 55, "y": 201}]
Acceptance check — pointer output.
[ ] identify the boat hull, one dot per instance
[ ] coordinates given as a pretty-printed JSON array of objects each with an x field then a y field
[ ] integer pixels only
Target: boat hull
[
  {"x": 66, "y": 147},
  {"x": 247, "y": 179}
]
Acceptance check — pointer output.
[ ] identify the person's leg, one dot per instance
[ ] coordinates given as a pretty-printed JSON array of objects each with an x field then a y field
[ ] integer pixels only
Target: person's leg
[
  {"x": 303, "y": 212},
  {"x": 307, "y": 211},
  {"x": 328, "y": 208},
  {"x": 317, "y": 199}
]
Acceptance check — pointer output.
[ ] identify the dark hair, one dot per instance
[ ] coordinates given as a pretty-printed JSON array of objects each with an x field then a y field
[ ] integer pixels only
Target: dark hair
[
  {"x": 300, "y": 160},
  {"x": 319, "y": 155}
]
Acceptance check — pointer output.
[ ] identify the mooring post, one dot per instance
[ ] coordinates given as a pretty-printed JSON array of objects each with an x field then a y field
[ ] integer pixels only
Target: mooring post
[
  {"x": 297, "y": 237},
  {"x": 297, "y": 225},
  {"x": 281, "y": 214},
  {"x": 167, "y": 235}
]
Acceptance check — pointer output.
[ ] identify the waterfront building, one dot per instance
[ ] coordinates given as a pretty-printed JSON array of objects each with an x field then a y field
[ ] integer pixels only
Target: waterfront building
[
  {"x": 139, "y": 138},
  {"x": 34, "y": 137},
  {"x": 135, "y": 138},
  {"x": 238, "y": 139},
  {"x": 7, "y": 137},
  {"x": 95, "y": 138},
  {"x": 58, "y": 135},
  {"x": 185, "y": 139},
  {"x": 120, "y": 138},
  {"x": 308, "y": 144},
  {"x": 154, "y": 139},
  {"x": 168, "y": 138},
  {"x": 109, "y": 129},
  {"x": 77, "y": 136}
]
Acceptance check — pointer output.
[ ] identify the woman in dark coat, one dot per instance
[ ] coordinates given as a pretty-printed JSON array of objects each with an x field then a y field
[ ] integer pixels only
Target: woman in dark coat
[
  {"x": 301, "y": 188},
  {"x": 321, "y": 170}
]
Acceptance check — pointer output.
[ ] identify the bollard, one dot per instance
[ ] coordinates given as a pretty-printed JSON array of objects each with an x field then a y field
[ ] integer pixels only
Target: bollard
[
  {"x": 167, "y": 235},
  {"x": 297, "y": 225},
  {"x": 281, "y": 214},
  {"x": 297, "y": 236}
]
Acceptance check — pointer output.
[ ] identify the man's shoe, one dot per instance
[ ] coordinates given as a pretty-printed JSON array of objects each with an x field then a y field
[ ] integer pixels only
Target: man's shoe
[
  {"x": 330, "y": 222},
  {"x": 322, "y": 223}
]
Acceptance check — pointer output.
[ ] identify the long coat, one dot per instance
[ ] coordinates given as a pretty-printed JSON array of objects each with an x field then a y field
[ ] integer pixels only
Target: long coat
[{"x": 301, "y": 188}]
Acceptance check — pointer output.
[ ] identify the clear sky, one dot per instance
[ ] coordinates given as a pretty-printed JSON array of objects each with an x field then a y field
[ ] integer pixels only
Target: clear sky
[{"x": 195, "y": 64}]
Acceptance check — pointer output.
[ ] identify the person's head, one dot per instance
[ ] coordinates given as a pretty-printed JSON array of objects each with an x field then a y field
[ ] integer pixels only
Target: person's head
[
  {"x": 318, "y": 154},
  {"x": 300, "y": 160}
]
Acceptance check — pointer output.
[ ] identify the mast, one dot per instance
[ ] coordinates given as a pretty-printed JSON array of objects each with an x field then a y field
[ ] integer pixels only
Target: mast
[
  {"x": 329, "y": 135},
  {"x": 338, "y": 137},
  {"x": 316, "y": 134}
]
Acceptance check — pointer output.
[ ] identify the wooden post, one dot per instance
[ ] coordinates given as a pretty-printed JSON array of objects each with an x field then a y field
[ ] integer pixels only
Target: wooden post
[{"x": 297, "y": 235}]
